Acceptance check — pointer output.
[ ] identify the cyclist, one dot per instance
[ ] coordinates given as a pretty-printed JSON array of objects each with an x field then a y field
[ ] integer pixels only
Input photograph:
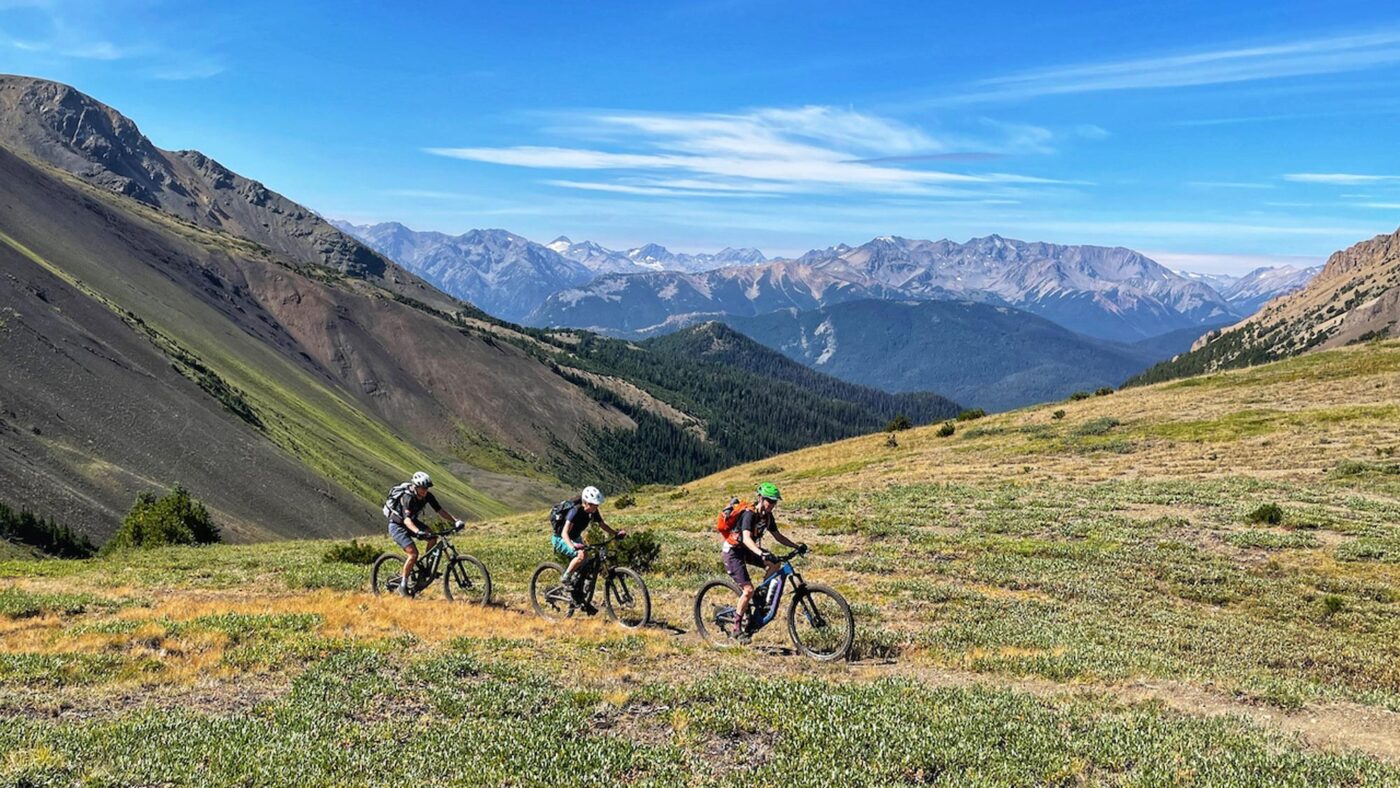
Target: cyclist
[
  {"x": 742, "y": 549},
  {"x": 569, "y": 530},
  {"x": 404, "y": 507}
]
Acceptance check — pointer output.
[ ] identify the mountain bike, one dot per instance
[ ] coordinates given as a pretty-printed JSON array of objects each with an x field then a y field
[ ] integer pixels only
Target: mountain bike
[
  {"x": 819, "y": 620},
  {"x": 625, "y": 595},
  {"x": 465, "y": 578}
]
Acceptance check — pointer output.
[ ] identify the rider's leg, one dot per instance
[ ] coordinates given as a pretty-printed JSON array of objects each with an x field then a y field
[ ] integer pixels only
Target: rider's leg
[
  {"x": 742, "y": 606},
  {"x": 408, "y": 565},
  {"x": 579, "y": 557}
]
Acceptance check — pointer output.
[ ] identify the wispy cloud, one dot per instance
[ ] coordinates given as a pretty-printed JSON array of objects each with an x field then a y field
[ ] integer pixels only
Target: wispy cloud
[
  {"x": 1340, "y": 178},
  {"x": 1229, "y": 185},
  {"x": 84, "y": 31},
  {"x": 1326, "y": 55},
  {"x": 814, "y": 149}
]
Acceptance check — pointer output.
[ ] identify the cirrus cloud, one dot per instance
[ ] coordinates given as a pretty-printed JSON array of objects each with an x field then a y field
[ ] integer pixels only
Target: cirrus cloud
[{"x": 765, "y": 151}]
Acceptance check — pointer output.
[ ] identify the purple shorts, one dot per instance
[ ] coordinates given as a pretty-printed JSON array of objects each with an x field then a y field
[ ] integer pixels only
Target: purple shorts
[{"x": 735, "y": 557}]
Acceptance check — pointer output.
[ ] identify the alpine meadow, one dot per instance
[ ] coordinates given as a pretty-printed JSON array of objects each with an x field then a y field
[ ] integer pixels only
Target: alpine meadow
[{"x": 977, "y": 396}]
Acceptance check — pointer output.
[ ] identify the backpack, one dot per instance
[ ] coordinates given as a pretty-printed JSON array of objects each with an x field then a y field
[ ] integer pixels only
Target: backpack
[
  {"x": 728, "y": 520},
  {"x": 560, "y": 512},
  {"x": 391, "y": 504}
]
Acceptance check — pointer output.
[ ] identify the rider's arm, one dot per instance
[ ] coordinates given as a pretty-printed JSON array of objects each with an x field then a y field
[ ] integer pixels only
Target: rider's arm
[
  {"x": 413, "y": 525},
  {"x": 779, "y": 536}
]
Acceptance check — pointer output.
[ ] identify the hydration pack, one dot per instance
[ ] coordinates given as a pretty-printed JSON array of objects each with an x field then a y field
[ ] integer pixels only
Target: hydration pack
[
  {"x": 560, "y": 512},
  {"x": 391, "y": 504},
  {"x": 728, "y": 520}
]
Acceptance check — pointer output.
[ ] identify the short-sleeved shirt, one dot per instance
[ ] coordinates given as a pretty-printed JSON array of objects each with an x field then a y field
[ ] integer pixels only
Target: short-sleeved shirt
[
  {"x": 755, "y": 523},
  {"x": 407, "y": 505},
  {"x": 578, "y": 520}
]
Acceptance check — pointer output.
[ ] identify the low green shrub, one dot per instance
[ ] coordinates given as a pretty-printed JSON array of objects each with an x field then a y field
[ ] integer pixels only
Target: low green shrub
[
  {"x": 624, "y": 501},
  {"x": 1057, "y": 415},
  {"x": 1079, "y": 395},
  {"x": 946, "y": 429},
  {"x": 354, "y": 552},
  {"x": 1099, "y": 426},
  {"x": 898, "y": 423},
  {"x": 1270, "y": 513},
  {"x": 972, "y": 414},
  {"x": 174, "y": 519},
  {"x": 1103, "y": 391},
  {"x": 639, "y": 550}
]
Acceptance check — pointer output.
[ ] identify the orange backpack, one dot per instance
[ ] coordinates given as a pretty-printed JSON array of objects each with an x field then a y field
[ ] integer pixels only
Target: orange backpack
[{"x": 728, "y": 520}]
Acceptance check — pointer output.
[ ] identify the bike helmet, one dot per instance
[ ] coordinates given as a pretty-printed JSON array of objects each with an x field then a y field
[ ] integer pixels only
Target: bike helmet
[
  {"x": 592, "y": 495},
  {"x": 421, "y": 479},
  {"x": 769, "y": 490}
]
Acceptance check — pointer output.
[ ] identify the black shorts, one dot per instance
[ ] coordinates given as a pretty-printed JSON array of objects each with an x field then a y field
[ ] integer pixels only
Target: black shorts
[{"x": 736, "y": 556}]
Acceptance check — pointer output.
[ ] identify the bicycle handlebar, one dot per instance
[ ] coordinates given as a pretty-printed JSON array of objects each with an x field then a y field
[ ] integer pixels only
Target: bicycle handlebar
[{"x": 435, "y": 534}]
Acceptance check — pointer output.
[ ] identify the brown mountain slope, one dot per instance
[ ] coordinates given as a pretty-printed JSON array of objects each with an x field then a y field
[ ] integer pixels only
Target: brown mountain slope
[
  {"x": 1356, "y": 297},
  {"x": 331, "y": 371},
  {"x": 60, "y": 126}
]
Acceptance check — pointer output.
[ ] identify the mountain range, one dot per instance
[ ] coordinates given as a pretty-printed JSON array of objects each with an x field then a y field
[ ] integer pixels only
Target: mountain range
[
  {"x": 1109, "y": 293},
  {"x": 1355, "y": 298},
  {"x": 166, "y": 320}
]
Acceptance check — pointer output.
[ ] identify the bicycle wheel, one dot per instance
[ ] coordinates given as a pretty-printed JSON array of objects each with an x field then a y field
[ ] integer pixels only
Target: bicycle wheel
[
  {"x": 820, "y": 623},
  {"x": 467, "y": 580},
  {"x": 714, "y": 611},
  {"x": 626, "y": 597},
  {"x": 548, "y": 595},
  {"x": 387, "y": 573}
]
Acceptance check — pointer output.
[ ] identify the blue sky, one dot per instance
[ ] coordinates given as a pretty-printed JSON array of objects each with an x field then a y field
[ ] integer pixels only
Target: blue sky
[{"x": 1212, "y": 135}]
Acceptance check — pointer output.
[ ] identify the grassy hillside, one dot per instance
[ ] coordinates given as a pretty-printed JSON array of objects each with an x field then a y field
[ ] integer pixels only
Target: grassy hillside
[{"x": 1041, "y": 600}]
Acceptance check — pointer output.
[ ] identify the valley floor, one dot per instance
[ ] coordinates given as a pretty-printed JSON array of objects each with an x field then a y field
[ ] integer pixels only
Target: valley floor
[{"x": 1041, "y": 599}]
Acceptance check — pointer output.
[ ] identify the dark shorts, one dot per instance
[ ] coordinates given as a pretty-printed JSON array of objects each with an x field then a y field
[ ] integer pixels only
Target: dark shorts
[
  {"x": 399, "y": 533},
  {"x": 735, "y": 558}
]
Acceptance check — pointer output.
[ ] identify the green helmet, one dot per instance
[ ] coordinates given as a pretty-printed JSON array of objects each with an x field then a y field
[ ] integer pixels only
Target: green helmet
[{"x": 769, "y": 490}]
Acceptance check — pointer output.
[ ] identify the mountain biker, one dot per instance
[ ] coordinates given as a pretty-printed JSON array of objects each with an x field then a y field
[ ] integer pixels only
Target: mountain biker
[
  {"x": 568, "y": 535},
  {"x": 406, "y": 502},
  {"x": 742, "y": 549}
]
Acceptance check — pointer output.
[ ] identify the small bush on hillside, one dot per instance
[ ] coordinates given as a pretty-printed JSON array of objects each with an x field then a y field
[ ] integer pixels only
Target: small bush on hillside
[
  {"x": 1103, "y": 391},
  {"x": 1078, "y": 395},
  {"x": 639, "y": 550},
  {"x": 1270, "y": 513},
  {"x": 947, "y": 429},
  {"x": 1358, "y": 467},
  {"x": 898, "y": 423},
  {"x": 1099, "y": 426},
  {"x": 42, "y": 534},
  {"x": 361, "y": 554},
  {"x": 890, "y": 441},
  {"x": 1332, "y": 605},
  {"x": 971, "y": 415},
  {"x": 1057, "y": 415},
  {"x": 173, "y": 519},
  {"x": 624, "y": 501}
]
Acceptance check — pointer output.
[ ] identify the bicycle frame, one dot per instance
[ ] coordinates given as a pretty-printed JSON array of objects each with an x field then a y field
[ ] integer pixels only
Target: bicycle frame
[
  {"x": 592, "y": 568},
  {"x": 426, "y": 570},
  {"x": 774, "y": 586}
]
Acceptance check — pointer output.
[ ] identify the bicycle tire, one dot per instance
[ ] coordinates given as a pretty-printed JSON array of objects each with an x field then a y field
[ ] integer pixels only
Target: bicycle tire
[
  {"x": 840, "y": 641},
  {"x": 710, "y": 630},
  {"x": 479, "y": 593},
  {"x": 616, "y": 589},
  {"x": 543, "y": 607},
  {"x": 379, "y": 577}
]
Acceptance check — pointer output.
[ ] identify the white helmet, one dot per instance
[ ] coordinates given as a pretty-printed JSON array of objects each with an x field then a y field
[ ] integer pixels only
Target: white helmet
[
  {"x": 592, "y": 495},
  {"x": 421, "y": 479}
]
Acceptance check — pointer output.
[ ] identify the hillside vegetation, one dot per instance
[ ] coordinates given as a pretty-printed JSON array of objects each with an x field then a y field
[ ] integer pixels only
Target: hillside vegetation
[
  {"x": 1355, "y": 298},
  {"x": 1193, "y": 583}
]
